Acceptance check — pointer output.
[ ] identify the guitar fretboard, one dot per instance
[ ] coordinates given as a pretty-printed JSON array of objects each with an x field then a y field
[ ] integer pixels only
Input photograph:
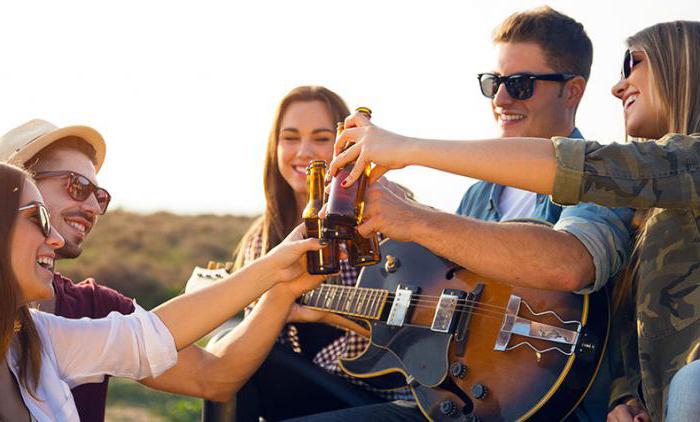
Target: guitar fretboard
[{"x": 347, "y": 300}]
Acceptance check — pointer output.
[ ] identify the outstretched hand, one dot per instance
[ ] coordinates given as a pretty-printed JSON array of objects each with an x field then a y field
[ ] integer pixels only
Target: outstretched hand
[
  {"x": 386, "y": 150},
  {"x": 288, "y": 259}
]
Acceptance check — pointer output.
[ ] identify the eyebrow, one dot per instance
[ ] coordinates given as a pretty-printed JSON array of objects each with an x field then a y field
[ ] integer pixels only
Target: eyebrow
[{"x": 315, "y": 131}]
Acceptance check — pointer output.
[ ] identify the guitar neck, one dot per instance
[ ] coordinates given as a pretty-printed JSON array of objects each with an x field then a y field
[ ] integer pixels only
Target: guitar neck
[{"x": 347, "y": 300}]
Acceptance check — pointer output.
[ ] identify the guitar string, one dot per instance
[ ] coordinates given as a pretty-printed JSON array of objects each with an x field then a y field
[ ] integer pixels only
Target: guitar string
[
  {"x": 475, "y": 309},
  {"x": 415, "y": 298}
]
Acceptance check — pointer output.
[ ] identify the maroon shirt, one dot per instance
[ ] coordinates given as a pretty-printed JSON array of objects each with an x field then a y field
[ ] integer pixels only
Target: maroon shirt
[{"x": 89, "y": 299}]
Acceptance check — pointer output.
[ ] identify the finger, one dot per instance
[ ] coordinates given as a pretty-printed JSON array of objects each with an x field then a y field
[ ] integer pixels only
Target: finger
[
  {"x": 357, "y": 119},
  {"x": 357, "y": 171},
  {"x": 642, "y": 417},
  {"x": 376, "y": 173},
  {"x": 366, "y": 228},
  {"x": 298, "y": 233},
  {"x": 305, "y": 245},
  {"x": 347, "y": 156},
  {"x": 346, "y": 137},
  {"x": 322, "y": 211}
]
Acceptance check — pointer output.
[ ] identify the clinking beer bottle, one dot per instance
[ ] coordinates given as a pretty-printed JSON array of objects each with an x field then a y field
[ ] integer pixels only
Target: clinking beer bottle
[
  {"x": 344, "y": 208},
  {"x": 364, "y": 251},
  {"x": 326, "y": 260}
]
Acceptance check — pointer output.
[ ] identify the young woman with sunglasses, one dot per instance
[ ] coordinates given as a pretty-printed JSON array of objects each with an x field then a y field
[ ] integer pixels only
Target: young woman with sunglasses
[
  {"x": 46, "y": 355},
  {"x": 659, "y": 175},
  {"x": 300, "y": 374}
]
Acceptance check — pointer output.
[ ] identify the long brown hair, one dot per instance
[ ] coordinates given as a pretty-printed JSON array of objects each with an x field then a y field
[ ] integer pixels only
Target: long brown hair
[
  {"x": 12, "y": 181},
  {"x": 281, "y": 213},
  {"x": 674, "y": 75}
]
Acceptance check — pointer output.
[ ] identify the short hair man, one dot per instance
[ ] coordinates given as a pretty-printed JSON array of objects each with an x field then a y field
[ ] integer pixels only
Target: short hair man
[
  {"x": 543, "y": 64},
  {"x": 65, "y": 162}
]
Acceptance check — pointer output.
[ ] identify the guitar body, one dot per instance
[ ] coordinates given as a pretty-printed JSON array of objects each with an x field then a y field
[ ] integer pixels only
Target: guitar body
[{"x": 458, "y": 373}]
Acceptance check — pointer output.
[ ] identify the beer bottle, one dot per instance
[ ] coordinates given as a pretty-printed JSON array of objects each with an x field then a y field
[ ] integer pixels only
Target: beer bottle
[
  {"x": 327, "y": 259},
  {"x": 363, "y": 251},
  {"x": 344, "y": 206}
]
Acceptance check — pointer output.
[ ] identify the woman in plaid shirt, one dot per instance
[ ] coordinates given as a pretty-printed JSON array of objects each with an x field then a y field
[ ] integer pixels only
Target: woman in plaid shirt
[{"x": 303, "y": 362}]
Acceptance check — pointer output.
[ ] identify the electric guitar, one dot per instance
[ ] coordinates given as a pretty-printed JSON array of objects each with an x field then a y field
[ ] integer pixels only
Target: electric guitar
[{"x": 470, "y": 348}]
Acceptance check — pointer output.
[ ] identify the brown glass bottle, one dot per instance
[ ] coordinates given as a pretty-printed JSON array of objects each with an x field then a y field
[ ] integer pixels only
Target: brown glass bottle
[
  {"x": 342, "y": 210},
  {"x": 326, "y": 260},
  {"x": 364, "y": 251}
]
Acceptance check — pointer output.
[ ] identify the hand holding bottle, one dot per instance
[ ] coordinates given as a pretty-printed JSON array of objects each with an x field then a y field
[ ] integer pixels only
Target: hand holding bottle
[{"x": 372, "y": 144}]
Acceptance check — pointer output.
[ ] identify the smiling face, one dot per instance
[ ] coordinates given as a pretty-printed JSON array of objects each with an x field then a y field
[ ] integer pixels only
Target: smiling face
[
  {"x": 643, "y": 116},
  {"x": 32, "y": 254},
  {"x": 72, "y": 219},
  {"x": 307, "y": 132},
  {"x": 551, "y": 108}
]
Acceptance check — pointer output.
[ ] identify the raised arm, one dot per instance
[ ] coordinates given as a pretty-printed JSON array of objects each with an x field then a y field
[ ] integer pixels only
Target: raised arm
[
  {"x": 526, "y": 163},
  {"x": 190, "y": 316},
  {"x": 664, "y": 173}
]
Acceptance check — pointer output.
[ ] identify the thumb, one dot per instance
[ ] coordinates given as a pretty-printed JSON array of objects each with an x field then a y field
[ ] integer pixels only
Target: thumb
[{"x": 376, "y": 173}]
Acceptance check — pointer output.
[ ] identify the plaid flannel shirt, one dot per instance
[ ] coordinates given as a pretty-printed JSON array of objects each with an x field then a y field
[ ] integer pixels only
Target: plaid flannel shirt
[{"x": 347, "y": 346}]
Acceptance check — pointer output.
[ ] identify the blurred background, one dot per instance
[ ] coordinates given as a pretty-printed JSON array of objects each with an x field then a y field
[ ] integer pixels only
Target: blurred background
[{"x": 184, "y": 94}]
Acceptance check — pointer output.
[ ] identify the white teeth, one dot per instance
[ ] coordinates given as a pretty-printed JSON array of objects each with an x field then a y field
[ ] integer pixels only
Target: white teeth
[
  {"x": 630, "y": 100},
  {"x": 81, "y": 228},
  {"x": 510, "y": 117},
  {"x": 45, "y": 261},
  {"x": 299, "y": 169}
]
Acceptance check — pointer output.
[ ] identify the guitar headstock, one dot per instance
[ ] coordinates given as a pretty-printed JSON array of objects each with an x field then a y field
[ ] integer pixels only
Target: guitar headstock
[{"x": 202, "y": 277}]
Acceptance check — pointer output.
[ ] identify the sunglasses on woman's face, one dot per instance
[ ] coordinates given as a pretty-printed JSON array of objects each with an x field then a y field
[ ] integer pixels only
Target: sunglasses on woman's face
[
  {"x": 39, "y": 216},
  {"x": 520, "y": 86},
  {"x": 628, "y": 63},
  {"x": 80, "y": 187}
]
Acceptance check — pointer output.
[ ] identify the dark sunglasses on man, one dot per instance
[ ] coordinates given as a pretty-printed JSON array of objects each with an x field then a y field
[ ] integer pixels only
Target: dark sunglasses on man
[
  {"x": 628, "y": 63},
  {"x": 80, "y": 187},
  {"x": 39, "y": 216},
  {"x": 520, "y": 86}
]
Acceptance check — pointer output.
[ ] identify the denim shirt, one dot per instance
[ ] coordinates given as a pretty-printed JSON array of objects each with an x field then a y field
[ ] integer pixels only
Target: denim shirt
[{"x": 605, "y": 232}]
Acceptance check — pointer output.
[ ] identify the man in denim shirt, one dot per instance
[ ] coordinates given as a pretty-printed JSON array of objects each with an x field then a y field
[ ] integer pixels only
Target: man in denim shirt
[{"x": 544, "y": 61}]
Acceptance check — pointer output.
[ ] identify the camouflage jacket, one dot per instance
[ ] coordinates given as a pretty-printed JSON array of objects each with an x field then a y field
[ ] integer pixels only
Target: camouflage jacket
[{"x": 660, "y": 333}]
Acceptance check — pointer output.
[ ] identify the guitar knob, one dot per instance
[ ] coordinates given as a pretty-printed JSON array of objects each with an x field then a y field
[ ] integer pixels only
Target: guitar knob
[
  {"x": 448, "y": 408},
  {"x": 479, "y": 391},
  {"x": 211, "y": 265},
  {"x": 458, "y": 370},
  {"x": 473, "y": 418},
  {"x": 391, "y": 264}
]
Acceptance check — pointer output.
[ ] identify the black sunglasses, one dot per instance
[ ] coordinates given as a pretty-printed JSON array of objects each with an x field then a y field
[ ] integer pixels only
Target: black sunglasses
[
  {"x": 520, "y": 86},
  {"x": 40, "y": 217},
  {"x": 80, "y": 187},
  {"x": 628, "y": 64}
]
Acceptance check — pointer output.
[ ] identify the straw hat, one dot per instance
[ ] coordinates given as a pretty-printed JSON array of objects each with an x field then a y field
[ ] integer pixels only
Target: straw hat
[{"x": 25, "y": 141}]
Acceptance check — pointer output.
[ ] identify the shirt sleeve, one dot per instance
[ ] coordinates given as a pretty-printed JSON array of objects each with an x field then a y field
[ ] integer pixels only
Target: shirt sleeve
[
  {"x": 663, "y": 173},
  {"x": 605, "y": 233},
  {"x": 133, "y": 346}
]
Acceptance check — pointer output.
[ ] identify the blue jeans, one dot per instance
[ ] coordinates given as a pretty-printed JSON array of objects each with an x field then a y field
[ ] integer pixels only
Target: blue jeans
[{"x": 683, "y": 402}]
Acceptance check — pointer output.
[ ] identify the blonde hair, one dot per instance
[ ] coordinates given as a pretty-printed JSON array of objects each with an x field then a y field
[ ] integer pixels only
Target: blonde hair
[{"x": 674, "y": 77}]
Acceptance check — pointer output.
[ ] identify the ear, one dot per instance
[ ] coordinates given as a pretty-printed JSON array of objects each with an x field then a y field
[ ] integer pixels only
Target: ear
[{"x": 574, "y": 91}]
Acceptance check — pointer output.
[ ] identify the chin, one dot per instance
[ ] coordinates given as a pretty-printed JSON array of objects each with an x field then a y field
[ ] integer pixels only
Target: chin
[{"x": 70, "y": 250}]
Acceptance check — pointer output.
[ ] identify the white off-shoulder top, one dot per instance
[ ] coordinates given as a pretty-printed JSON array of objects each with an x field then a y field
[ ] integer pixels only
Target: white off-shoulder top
[{"x": 79, "y": 351}]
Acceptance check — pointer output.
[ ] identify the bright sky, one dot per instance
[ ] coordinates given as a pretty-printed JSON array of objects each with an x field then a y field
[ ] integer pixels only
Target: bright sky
[{"x": 184, "y": 92}]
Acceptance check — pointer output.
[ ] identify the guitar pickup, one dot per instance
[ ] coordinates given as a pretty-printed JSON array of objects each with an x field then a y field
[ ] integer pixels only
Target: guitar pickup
[
  {"x": 445, "y": 311},
  {"x": 401, "y": 305}
]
